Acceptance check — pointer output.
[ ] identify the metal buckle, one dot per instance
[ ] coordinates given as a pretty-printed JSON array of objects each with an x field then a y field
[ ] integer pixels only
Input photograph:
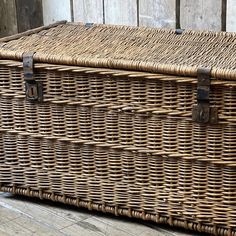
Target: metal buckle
[
  {"x": 33, "y": 88},
  {"x": 202, "y": 112},
  {"x": 34, "y": 91}
]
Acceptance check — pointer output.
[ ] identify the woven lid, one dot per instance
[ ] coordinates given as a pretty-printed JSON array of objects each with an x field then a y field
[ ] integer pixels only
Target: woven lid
[{"x": 123, "y": 47}]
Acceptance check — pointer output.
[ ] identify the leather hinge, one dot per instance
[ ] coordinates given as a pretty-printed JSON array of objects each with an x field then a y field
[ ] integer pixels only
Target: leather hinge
[
  {"x": 202, "y": 112},
  {"x": 33, "y": 88}
]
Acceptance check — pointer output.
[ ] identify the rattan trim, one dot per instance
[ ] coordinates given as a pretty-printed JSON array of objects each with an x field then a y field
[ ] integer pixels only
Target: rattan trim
[
  {"x": 118, "y": 211},
  {"x": 30, "y": 32},
  {"x": 220, "y": 42}
]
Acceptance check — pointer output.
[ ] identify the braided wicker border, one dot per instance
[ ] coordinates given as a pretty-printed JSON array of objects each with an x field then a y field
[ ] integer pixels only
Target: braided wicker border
[{"x": 198, "y": 227}]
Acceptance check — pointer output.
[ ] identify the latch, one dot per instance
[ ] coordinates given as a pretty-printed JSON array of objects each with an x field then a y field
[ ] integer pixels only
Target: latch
[
  {"x": 202, "y": 111},
  {"x": 33, "y": 88}
]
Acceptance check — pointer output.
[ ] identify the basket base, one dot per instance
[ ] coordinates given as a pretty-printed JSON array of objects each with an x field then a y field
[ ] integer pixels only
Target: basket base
[{"x": 118, "y": 211}]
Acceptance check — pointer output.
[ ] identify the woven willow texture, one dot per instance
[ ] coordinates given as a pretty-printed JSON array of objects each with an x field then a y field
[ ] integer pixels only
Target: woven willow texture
[
  {"x": 125, "y": 47},
  {"x": 118, "y": 141}
]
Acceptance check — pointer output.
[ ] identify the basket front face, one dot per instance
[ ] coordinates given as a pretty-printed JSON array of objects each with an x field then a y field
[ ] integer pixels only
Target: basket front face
[{"x": 121, "y": 142}]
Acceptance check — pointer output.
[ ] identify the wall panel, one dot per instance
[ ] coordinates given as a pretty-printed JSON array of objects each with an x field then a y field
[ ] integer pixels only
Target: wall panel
[
  {"x": 201, "y": 15},
  {"x": 157, "y": 13},
  {"x": 121, "y": 12}
]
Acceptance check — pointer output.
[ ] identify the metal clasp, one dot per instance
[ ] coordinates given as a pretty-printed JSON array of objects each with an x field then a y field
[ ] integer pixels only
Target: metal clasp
[
  {"x": 34, "y": 91},
  {"x": 33, "y": 88},
  {"x": 202, "y": 112},
  {"x": 179, "y": 31}
]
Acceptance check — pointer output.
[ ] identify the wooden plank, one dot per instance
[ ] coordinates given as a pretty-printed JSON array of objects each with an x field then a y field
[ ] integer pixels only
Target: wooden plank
[
  {"x": 3, "y": 233},
  {"x": 157, "y": 13},
  {"x": 81, "y": 229},
  {"x": 120, "y": 12},
  {"x": 130, "y": 227},
  {"x": 8, "y": 21},
  {"x": 6, "y": 214},
  {"x": 36, "y": 227},
  {"x": 12, "y": 228},
  {"x": 88, "y": 11},
  {"x": 223, "y": 15},
  {"x": 29, "y": 14},
  {"x": 103, "y": 228},
  {"x": 231, "y": 16},
  {"x": 36, "y": 212},
  {"x": 177, "y": 13},
  {"x": 201, "y": 15},
  {"x": 35, "y": 217},
  {"x": 54, "y": 10}
]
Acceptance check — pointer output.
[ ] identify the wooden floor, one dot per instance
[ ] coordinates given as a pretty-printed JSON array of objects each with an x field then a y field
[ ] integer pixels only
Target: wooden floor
[{"x": 24, "y": 216}]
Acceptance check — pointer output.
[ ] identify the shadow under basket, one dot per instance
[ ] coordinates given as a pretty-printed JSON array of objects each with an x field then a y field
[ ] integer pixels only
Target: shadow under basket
[{"x": 139, "y": 122}]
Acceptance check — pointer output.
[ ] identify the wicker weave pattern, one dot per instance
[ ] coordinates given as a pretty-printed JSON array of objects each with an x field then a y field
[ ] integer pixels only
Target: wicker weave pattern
[
  {"x": 119, "y": 141},
  {"x": 110, "y": 137},
  {"x": 123, "y": 47}
]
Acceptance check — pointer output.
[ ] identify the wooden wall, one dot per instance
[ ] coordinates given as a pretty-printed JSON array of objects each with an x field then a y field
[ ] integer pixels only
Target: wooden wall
[
  {"x": 19, "y": 15},
  {"x": 217, "y": 15}
]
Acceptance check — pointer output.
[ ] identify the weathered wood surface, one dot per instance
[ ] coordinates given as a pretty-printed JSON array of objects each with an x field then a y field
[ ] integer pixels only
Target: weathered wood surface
[
  {"x": 157, "y": 13},
  {"x": 29, "y": 14},
  {"x": 201, "y": 15},
  {"x": 23, "y": 216},
  {"x": 8, "y": 19},
  {"x": 231, "y": 16},
  {"x": 88, "y": 11},
  {"x": 20, "y": 15},
  {"x": 55, "y": 10},
  {"x": 121, "y": 12}
]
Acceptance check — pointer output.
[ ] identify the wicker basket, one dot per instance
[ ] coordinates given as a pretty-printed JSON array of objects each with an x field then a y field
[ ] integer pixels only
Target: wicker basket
[{"x": 131, "y": 121}]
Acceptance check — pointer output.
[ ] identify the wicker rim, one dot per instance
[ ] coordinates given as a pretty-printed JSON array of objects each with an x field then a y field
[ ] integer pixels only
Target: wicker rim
[{"x": 129, "y": 64}]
